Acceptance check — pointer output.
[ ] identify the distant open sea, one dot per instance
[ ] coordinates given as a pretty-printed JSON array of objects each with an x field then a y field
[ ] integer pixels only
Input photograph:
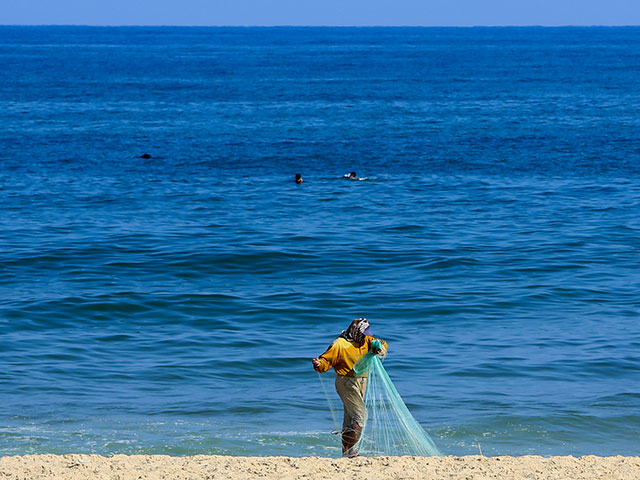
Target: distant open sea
[{"x": 172, "y": 304}]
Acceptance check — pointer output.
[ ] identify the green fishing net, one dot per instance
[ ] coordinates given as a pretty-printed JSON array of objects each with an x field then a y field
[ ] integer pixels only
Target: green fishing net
[{"x": 390, "y": 429}]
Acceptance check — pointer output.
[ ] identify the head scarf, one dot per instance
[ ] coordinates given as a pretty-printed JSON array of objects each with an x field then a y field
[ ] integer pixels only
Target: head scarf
[{"x": 356, "y": 332}]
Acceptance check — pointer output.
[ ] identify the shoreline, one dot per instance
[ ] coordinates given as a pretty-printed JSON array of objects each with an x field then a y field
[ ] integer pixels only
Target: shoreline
[{"x": 201, "y": 467}]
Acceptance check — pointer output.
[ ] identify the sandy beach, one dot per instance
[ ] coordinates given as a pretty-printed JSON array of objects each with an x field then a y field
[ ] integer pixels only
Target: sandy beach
[{"x": 124, "y": 467}]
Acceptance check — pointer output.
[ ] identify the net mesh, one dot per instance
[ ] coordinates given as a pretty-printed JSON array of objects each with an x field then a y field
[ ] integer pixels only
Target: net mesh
[{"x": 390, "y": 428}]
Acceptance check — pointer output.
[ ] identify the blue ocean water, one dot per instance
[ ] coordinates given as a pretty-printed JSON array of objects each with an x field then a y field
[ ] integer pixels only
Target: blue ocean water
[{"x": 172, "y": 304}]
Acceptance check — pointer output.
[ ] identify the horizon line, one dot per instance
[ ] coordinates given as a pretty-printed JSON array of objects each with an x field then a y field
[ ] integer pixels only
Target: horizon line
[{"x": 309, "y": 26}]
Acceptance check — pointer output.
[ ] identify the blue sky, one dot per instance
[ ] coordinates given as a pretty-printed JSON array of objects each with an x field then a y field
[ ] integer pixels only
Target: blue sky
[{"x": 320, "y": 12}]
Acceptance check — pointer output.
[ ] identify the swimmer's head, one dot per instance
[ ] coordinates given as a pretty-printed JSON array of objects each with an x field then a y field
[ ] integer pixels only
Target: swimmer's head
[{"x": 352, "y": 175}]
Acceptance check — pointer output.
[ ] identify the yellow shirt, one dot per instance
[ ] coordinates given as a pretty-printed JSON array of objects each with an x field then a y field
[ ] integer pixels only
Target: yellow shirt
[{"x": 342, "y": 355}]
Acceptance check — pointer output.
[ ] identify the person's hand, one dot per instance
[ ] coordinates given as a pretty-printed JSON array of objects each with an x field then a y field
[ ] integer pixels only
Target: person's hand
[
  {"x": 316, "y": 363},
  {"x": 382, "y": 352},
  {"x": 378, "y": 348}
]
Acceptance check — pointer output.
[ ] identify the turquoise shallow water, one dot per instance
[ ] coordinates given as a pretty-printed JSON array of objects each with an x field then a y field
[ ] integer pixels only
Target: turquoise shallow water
[{"x": 173, "y": 304}]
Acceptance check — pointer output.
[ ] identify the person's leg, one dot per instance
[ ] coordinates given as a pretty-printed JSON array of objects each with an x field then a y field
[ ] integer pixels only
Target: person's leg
[
  {"x": 350, "y": 437},
  {"x": 351, "y": 391}
]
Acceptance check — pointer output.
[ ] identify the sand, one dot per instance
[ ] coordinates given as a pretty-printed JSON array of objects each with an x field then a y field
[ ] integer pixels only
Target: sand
[{"x": 200, "y": 467}]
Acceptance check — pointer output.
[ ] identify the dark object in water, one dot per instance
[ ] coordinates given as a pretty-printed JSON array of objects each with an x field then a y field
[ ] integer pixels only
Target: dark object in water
[{"x": 145, "y": 155}]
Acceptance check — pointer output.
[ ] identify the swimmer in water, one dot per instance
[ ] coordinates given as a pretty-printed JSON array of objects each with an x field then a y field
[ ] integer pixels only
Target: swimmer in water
[
  {"x": 299, "y": 178},
  {"x": 352, "y": 176}
]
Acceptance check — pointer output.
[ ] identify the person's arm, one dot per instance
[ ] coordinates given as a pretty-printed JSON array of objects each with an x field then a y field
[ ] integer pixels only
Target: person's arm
[{"x": 327, "y": 360}]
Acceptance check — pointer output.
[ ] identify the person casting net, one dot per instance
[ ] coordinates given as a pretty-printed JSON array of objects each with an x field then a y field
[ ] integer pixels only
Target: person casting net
[
  {"x": 376, "y": 421},
  {"x": 342, "y": 355}
]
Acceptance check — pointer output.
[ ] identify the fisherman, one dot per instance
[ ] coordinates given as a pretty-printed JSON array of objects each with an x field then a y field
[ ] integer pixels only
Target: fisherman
[{"x": 342, "y": 355}]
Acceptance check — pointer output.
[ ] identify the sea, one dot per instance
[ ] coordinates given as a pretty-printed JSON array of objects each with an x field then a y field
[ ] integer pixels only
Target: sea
[{"x": 165, "y": 283}]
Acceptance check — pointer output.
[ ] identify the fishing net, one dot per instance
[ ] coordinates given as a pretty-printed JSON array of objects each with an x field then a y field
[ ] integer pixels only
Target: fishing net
[{"x": 390, "y": 428}]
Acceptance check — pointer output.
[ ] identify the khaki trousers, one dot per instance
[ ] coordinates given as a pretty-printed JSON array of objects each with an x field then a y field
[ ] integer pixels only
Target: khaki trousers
[{"x": 351, "y": 391}]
